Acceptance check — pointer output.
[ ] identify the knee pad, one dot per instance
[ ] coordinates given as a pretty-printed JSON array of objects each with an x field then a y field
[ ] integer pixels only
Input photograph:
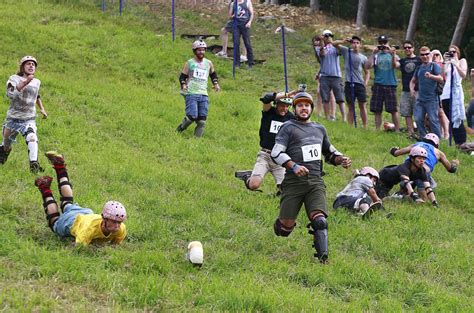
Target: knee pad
[
  {"x": 281, "y": 230},
  {"x": 31, "y": 137}
]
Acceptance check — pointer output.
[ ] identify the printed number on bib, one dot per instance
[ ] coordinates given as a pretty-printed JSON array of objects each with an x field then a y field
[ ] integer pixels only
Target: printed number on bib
[
  {"x": 200, "y": 73},
  {"x": 311, "y": 152},
  {"x": 275, "y": 127}
]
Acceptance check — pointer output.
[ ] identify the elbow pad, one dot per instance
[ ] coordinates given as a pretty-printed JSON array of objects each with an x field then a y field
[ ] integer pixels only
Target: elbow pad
[
  {"x": 333, "y": 153},
  {"x": 278, "y": 154},
  {"x": 182, "y": 79},
  {"x": 214, "y": 78}
]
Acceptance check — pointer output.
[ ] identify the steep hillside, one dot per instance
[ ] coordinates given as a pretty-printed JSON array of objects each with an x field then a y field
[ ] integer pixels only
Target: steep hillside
[{"x": 109, "y": 84}]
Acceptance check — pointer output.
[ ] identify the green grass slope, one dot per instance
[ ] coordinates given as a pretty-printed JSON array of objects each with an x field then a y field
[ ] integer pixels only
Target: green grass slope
[{"x": 109, "y": 84}]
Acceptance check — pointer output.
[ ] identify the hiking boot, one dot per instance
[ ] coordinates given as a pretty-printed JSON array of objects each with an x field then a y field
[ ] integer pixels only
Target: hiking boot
[
  {"x": 3, "y": 155},
  {"x": 35, "y": 167},
  {"x": 43, "y": 182},
  {"x": 55, "y": 158}
]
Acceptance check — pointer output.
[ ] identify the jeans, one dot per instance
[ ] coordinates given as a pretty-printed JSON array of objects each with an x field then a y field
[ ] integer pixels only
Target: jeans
[
  {"x": 64, "y": 223},
  {"x": 245, "y": 32},
  {"x": 431, "y": 109},
  {"x": 197, "y": 106}
]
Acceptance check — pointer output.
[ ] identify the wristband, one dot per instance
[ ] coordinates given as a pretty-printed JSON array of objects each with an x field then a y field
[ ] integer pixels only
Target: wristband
[{"x": 294, "y": 167}]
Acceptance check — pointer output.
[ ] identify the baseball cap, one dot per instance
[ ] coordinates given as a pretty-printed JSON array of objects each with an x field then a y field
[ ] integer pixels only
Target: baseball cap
[
  {"x": 382, "y": 38},
  {"x": 327, "y": 33}
]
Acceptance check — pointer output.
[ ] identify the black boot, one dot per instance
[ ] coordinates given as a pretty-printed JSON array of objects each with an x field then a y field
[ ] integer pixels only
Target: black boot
[{"x": 3, "y": 155}]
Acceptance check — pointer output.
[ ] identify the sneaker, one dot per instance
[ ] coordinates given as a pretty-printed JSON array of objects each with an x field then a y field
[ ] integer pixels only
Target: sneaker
[
  {"x": 243, "y": 175},
  {"x": 55, "y": 158},
  {"x": 332, "y": 118},
  {"x": 221, "y": 54},
  {"x": 44, "y": 181},
  {"x": 372, "y": 208},
  {"x": 35, "y": 167},
  {"x": 243, "y": 58}
]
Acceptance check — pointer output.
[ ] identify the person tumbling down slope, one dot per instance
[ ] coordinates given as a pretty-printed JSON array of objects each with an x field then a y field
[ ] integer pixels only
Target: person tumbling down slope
[
  {"x": 299, "y": 147},
  {"x": 193, "y": 82},
  {"x": 273, "y": 116},
  {"x": 75, "y": 221}
]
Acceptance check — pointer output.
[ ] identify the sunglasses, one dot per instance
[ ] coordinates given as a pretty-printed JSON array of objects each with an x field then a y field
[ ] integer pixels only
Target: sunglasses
[
  {"x": 407, "y": 47},
  {"x": 425, "y": 54},
  {"x": 436, "y": 55}
]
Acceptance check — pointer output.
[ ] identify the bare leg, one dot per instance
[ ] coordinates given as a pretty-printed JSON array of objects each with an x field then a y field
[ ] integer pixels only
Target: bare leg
[
  {"x": 378, "y": 120},
  {"x": 363, "y": 114},
  {"x": 396, "y": 121},
  {"x": 409, "y": 121},
  {"x": 342, "y": 108},
  {"x": 443, "y": 119}
]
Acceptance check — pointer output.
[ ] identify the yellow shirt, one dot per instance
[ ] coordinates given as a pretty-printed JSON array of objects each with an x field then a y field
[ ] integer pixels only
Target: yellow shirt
[{"x": 86, "y": 229}]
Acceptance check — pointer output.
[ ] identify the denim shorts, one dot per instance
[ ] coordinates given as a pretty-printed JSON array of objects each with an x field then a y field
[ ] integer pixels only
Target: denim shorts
[
  {"x": 64, "y": 223},
  {"x": 18, "y": 127},
  {"x": 197, "y": 105}
]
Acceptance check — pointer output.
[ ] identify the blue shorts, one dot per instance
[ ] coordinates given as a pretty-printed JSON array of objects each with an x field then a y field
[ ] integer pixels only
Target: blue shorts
[
  {"x": 420, "y": 184},
  {"x": 64, "y": 223},
  {"x": 197, "y": 106},
  {"x": 18, "y": 127}
]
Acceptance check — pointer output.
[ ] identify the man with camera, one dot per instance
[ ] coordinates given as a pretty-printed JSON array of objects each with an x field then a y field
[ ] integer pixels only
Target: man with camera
[
  {"x": 384, "y": 60},
  {"x": 330, "y": 75},
  {"x": 356, "y": 82},
  {"x": 427, "y": 75},
  {"x": 407, "y": 67}
]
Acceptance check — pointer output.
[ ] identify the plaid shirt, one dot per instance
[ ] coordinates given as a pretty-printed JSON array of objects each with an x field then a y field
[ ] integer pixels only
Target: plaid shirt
[{"x": 22, "y": 103}]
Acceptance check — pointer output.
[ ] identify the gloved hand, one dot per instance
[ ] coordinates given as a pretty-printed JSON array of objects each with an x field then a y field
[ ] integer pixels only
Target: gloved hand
[
  {"x": 268, "y": 97},
  {"x": 393, "y": 149}
]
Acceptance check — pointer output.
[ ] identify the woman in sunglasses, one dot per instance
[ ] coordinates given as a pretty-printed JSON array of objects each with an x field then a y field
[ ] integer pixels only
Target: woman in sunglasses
[{"x": 452, "y": 98}]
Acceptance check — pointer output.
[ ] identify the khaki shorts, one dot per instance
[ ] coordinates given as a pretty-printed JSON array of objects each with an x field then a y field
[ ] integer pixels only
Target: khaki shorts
[
  {"x": 265, "y": 164},
  {"x": 296, "y": 191},
  {"x": 407, "y": 103}
]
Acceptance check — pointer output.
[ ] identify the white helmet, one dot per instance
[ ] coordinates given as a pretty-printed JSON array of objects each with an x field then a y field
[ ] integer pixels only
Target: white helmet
[
  {"x": 433, "y": 138},
  {"x": 199, "y": 44},
  {"x": 28, "y": 58},
  {"x": 370, "y": 171},
  {"x": 418, "y": 151},
  {"x": 114, "y": 210}
]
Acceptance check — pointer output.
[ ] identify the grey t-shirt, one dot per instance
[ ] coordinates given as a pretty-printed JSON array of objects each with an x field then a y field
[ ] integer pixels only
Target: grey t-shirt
[
  {"x": 306, "y": 144},
  {"x": 329, "y": 61},
  {"x": 358, "y": 60},
  {"x": 357, "y": 187}
]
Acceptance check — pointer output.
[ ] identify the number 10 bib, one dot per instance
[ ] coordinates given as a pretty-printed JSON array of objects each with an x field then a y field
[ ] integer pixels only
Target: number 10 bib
[{"x": 311, "y": 152}]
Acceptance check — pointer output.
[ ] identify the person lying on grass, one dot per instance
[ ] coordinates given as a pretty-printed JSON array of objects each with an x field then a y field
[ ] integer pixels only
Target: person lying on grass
[{"x": 75, "y": 221}]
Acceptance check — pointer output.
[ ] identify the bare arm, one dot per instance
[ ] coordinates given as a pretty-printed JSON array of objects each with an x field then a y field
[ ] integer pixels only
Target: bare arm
[
  {"x": 412, "y": 86},
  {"x": 39, "y": 103},
  {"x": 449, "y": 166},
  {"x": 373, "y": 195}
]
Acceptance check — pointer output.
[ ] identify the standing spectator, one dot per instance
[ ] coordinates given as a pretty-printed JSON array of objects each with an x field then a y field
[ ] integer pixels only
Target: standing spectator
[
  {"x": 452, "y": 97},
  {"x": 228, "y": 28},
  {"x": 272, "y": 119},
  {"x": 299, "y": 147},
  {"x": 427, "y": 76},
  {"x": 356, "y": 82},
  {"x": 443, "y": 119},
  {"x": 330, "y": 77},
  {"x": 470, "y": 109},
  {"x": 384, "y": 60},
  {"x": 23, "y": 92},
  {"x": 407, "y": 66},
  {"x": 245, "y": 16},
  {"x": 193, "y": 81}
]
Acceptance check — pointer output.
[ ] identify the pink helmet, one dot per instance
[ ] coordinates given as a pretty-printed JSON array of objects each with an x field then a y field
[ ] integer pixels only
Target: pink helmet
[
  {"x": 418, "y": 151},
  {"x": 115, "y": 211},
  {"x": 432, "y": 137},
  {"x": 369, "y": 170},
  {"x": 199, "y": 44}
]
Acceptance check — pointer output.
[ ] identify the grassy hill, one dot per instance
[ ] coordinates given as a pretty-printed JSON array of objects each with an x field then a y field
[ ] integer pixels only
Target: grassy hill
[{"x": 109, "y": 84}]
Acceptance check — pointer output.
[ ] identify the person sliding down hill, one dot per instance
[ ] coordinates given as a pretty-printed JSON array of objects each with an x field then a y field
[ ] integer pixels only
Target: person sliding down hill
[
  {"x": 193, "y": 82},
  {"x": 299, "y": 147},
  {"x": 75, "y": 221},
  {"x": 273, "y": 116},
  {"x": 359, "y": 195},
  {"x": 405, "y": 174}
]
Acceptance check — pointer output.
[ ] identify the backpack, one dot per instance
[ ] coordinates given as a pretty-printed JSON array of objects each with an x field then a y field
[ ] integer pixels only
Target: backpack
[{"x": 439, "y": 86}]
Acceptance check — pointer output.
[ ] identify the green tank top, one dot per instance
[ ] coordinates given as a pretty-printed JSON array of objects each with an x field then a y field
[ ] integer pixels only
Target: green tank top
[{"x": 198, "y": 75}]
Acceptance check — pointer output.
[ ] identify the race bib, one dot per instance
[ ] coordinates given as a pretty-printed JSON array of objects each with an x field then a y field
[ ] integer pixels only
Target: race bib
[
  {"x": 200, "y": 73},
  {"x": 311, "y": 152},
  {"x": 275, "y": 127}
]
